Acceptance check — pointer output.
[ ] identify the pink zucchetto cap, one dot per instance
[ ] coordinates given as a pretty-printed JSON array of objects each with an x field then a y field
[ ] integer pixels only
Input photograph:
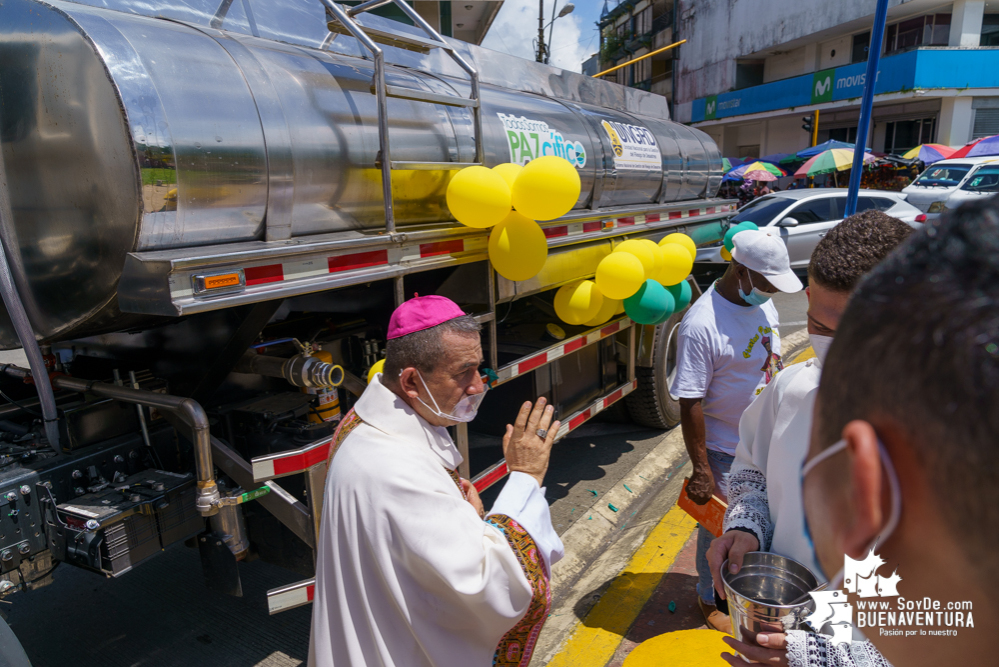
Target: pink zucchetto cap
[{"x": 422, "y": 312}]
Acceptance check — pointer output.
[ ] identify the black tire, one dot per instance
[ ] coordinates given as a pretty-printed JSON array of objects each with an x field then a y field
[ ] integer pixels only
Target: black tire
[{"x": 651, "y": 404}]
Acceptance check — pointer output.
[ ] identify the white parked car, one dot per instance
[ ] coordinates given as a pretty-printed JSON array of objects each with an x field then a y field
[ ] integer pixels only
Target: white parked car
[
  {"x": 931, "y": 190},
  {"x": 802, "y": 217},
  {"x": 983, "y": 183}
]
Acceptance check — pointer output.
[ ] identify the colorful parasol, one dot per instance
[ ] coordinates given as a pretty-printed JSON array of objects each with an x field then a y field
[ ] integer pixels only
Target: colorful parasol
[
  {"x": 776, "y": 158},
  {"x": 984, "y": 147},
  {"x": 745, "y": 172},
  {"x": 837, "y": 159},
  {"x": 807, "y": 153},
  {"x": 929, "y": 153},
  {"x": 730, "y": 163}
]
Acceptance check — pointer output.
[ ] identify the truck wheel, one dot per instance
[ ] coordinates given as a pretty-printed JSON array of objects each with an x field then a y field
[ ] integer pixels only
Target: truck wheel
[{"x": 651, "y": 404}]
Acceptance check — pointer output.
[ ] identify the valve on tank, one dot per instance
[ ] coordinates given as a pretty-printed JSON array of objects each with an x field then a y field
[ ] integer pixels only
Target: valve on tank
[{"x": 301, "y": 370}]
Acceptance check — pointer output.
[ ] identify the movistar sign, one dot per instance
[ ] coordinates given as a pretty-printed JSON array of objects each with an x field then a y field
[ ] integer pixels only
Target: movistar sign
[{"x": 822, "y": 86}]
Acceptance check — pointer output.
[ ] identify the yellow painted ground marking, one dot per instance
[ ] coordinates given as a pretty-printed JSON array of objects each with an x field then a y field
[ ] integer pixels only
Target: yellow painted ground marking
[
  {"x": 690, "y": 648},
  {"x": 805, "y": 355},
  {"x": 596, "y": 639}
]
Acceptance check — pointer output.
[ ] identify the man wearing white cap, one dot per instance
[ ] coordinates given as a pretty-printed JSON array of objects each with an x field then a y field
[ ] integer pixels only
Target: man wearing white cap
[
  {"x": 728, "y": 349},
  {"x": 411, "y": 571}
]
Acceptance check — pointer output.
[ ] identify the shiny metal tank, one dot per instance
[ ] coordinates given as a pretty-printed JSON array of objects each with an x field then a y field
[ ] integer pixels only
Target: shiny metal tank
[{"x": 123, "y": 132}]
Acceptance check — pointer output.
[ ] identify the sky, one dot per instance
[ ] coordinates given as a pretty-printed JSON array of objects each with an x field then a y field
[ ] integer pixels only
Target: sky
[{"x": 574, "y": 38}]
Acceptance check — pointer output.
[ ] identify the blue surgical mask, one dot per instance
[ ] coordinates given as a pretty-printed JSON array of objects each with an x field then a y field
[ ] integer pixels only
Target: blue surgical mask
[
  {"x": 896, "y": 499},
  {"x": 755, "y": 297}
]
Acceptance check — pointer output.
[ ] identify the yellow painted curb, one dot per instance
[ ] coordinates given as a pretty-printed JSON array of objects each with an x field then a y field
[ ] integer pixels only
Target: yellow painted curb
[
  {"x": 597, "y": 637},
  {"x": 690, "y": 648}
]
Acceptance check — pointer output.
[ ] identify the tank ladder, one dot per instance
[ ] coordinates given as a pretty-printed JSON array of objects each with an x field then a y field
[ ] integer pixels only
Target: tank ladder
[{"x": 343, "y": 22}]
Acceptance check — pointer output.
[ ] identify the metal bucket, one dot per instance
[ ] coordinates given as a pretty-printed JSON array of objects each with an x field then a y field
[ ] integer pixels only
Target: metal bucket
[{"x": 759, "y": 593}]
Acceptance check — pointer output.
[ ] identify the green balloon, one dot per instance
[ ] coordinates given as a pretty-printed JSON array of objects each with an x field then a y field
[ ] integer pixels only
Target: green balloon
[
  {"x": 682, "y": 295},
  {"x": 735, "y": 229},
  {"x": 649, "y": 304},
  {"x": 749, "y": 226}
]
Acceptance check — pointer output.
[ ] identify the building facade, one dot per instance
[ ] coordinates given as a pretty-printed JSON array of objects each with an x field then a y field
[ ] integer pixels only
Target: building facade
[
  {"x": 467, "y": 20},
  {"x": 632, "y": 29},
  {"x": 752, "y": 69}
]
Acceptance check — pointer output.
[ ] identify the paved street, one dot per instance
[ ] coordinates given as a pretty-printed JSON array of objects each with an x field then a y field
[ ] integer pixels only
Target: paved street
[{"x": 161, "y": 614}]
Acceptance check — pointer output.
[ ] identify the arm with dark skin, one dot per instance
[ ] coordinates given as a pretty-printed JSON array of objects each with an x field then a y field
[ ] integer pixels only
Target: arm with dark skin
[{"x": 702, "y": 484}]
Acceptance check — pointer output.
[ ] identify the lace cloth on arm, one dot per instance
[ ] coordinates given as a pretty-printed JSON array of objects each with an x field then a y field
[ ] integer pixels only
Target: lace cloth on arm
[
  {"x": 748, "y": 507},
  {"x": 808, "y": 649}
]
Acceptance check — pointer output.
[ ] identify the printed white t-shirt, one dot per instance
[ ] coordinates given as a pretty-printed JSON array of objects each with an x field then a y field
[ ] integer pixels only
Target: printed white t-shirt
[{"x": 726, "y": 354}]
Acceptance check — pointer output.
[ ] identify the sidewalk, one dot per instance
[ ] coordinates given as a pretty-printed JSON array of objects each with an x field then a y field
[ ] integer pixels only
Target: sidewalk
[{"x": 644, "y": 614}]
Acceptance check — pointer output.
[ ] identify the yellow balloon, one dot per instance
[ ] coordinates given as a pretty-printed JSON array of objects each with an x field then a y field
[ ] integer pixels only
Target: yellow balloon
[
  {"x": 607, "y": 311},
  {"x": 518, "y": 248},
  {"x": 649, "y": 257},
  {"x": 726, "y": 255},
  {"x": 579, "y": 302},
  {"x": 620, "y": 307},
  {"x": 547, "y": 188},
  {"x": 677, "y": 264},
  {"x": 509, "y": 171},
  {"x": 656, "y": 252},
  {"x": 681, "y": 239},
  {"x": 377, "y": 367},
  {"x": 619, "y": 275},
  {"x": 478, "y": 197}
]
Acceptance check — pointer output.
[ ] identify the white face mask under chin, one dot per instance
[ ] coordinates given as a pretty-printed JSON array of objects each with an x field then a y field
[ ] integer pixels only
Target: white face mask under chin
[
  {"x": 820, "y": 345},
  {"x": 464, "y": 411}
]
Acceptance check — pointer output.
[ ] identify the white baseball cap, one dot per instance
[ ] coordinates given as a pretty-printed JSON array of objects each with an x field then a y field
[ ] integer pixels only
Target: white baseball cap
[{"x": 765, "y": 253}]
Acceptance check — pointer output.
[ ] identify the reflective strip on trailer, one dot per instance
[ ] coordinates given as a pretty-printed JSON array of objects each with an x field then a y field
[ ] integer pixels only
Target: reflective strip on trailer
[
  {"x": 275, "y": 273},
  {"x": 291, "y": 462},
  {"x": 567, "y": 346},
  {"x": 495, "y": 473},
  {"x": 290, "y": 596},
  {"x": 630, "y": 222}
]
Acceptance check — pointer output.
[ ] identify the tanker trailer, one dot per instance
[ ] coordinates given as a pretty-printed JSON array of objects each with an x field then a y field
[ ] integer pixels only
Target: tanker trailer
[{"x": 213, "y": 210}]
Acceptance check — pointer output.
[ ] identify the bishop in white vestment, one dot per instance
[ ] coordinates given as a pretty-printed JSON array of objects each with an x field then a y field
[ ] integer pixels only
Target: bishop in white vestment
[{"x": 408, "y": 572}]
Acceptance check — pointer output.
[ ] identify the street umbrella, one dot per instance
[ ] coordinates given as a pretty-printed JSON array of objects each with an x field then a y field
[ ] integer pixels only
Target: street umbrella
[
  {"x": 776, "y": 157},
  {"x": 837, "y": 159},
  {"x": 964, "y": 150},
  {"x": 759, "y": 175},
  {"x": 807, "y": 153},
  {"x": 772, "y": 169},
  {"x": 730, "y": 163},
  {"x": 929, "y": 153},
  {"x": 987, "y": 146}
]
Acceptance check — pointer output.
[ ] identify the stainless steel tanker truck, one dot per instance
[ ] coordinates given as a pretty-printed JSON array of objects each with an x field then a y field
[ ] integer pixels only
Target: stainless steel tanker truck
[{"x": 210, "y": 209}]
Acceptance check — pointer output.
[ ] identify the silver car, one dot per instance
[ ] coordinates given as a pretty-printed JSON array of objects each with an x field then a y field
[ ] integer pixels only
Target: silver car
[{"x": 802, "y": 217}]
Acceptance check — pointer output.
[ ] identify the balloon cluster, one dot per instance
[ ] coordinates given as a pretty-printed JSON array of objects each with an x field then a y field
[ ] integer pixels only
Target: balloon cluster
[
  {"x": 729, "y": 243},
  {"x": 645, "y": 280},
  {"x": 510, "y": 198}
]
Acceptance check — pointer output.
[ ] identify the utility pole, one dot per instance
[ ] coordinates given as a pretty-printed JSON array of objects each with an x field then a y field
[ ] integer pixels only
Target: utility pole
[{"x": 541, "y": 31}]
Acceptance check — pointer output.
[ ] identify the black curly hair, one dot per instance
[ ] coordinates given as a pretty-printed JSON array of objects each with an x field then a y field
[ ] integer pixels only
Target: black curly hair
[{"x": 854, "y": 247}]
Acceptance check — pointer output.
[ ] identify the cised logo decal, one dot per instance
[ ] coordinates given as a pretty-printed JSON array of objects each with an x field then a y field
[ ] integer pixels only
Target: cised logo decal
[
  {"x": 529, "y": 138},
  {"x": 893, "y": 618}
]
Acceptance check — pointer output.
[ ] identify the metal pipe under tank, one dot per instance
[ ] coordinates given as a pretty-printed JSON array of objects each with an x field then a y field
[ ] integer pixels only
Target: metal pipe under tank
[{"x": 185, "y": 410}]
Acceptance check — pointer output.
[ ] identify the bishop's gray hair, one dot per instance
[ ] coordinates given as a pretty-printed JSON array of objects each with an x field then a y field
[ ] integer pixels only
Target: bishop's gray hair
[{"x": 424, "y": 350}]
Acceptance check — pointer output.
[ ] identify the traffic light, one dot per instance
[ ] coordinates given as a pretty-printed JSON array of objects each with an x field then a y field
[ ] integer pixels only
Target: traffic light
[
  {"x": 806, "y": 124},
  {"x": 810, "y": 124}
]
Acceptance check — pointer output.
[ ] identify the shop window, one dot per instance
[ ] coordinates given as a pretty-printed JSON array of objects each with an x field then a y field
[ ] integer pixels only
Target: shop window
[
  {"x": 643, "y": 22},
  {"x": 986, "y": 123},
  {"x": 929, "y": 30},
  {"x": 861, "y": 43},
  {"x": 748, "y": 75},
  {"x": 990, "y": 30},
  {"x": 902, "y": 135},
  {"x": 844, "y": 134}
]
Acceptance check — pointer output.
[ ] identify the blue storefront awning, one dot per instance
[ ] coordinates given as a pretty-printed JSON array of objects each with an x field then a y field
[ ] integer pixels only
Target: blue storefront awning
[{"x": 925, "y": 69}]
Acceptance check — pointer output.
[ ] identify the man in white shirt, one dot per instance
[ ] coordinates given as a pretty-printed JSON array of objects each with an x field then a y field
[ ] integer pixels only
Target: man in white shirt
[
  {"x": 411, "y": 571},
  {"x": 765, "y": 511},
  {"x": 728, "y": 349}
]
